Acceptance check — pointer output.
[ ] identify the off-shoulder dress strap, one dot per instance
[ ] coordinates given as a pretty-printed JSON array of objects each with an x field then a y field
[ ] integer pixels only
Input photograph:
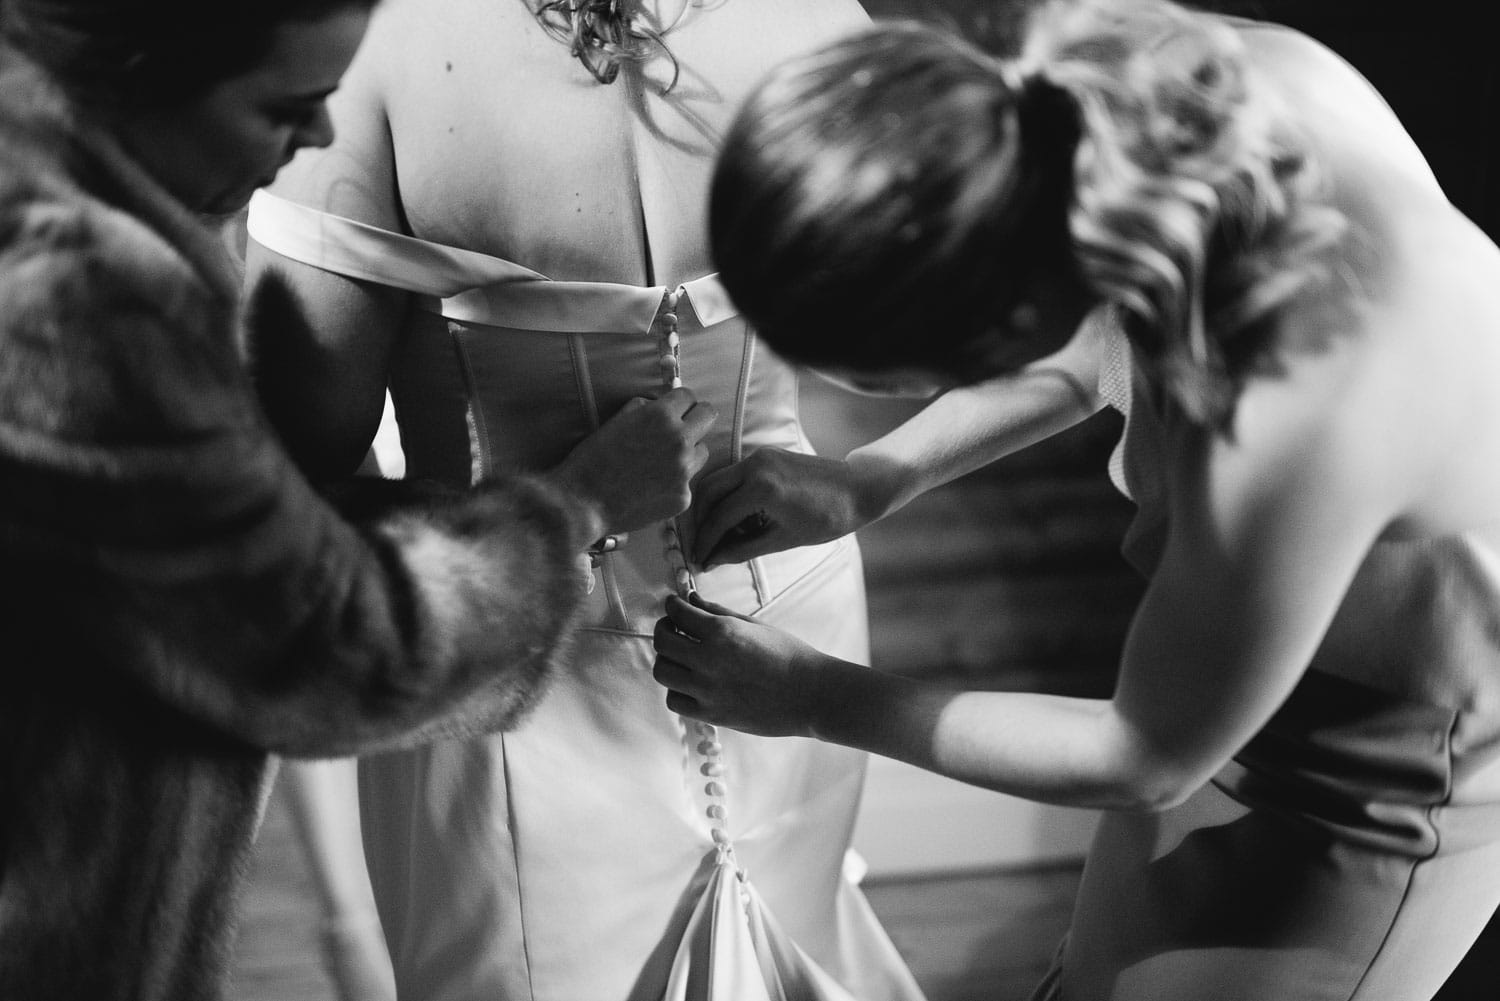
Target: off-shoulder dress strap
[{"x": 466, "y": 285}]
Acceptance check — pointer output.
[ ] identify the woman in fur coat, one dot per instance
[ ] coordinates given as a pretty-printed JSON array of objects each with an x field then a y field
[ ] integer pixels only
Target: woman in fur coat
[{"x": 176, "y": 602}]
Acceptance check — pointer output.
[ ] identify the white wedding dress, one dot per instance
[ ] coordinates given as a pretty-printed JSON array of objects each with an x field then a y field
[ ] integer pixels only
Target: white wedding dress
[{"x": 564, "y": 861}]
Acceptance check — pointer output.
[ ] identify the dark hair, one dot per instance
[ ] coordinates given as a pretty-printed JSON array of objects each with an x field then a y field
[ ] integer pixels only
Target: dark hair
[
  {"x": 881, "y": 202},
  {"x": 890, "y": 200},
  {"x": 148, "y": 53}
]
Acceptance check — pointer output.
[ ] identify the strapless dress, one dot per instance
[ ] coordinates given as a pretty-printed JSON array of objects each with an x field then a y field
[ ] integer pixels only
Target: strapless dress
[{"x": 1351, "y": 851}]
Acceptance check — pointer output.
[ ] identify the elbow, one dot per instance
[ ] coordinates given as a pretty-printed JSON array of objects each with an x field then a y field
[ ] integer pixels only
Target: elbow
[
  {"x": 1153, "y": 782},
  {"x": 1145, "y": 772},
  {"x": 1154, "y": 792}
]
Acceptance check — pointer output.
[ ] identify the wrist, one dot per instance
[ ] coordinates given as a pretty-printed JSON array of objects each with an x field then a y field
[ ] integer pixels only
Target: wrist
[
  {"x": 831, "y": 689},
  {"x": 878, "y": 485},
  {"x": 589, "y": 524}
]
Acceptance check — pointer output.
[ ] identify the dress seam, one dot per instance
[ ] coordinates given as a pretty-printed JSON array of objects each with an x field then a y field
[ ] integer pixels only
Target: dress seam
[
  {"x": 737, "y": 445},
  {"x": 838, "y": 547},
  {"x": 515, "y": 860}
]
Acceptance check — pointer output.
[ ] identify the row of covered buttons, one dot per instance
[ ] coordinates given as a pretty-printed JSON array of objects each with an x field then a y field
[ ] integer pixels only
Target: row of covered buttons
[{"x": 709, "y": 749}]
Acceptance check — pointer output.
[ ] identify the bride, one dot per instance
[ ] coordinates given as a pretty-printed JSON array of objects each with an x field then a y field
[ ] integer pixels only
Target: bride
[{"x": 509, "y": 233}]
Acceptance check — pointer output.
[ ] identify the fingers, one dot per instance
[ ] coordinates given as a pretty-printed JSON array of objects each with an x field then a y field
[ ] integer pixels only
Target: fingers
[
  {"x": 740, "y": 547},
  {"x": 697, "y": 415},
  {"x": 723, "y": 527},
  {"x": 682, "y": 634},
  {"x": 685, "y": 705},
  {"x": 714, "y": 487},
  {"x": 685, "y": 618},
  {"x": 683, "y": 414},
  {"x": 678, "y": 680},
  {"x": 699, "y": 459},
  {"x": 670, "y": 642},
  {"x": 698, "y": 420},
  {"x": 714, "y": 610},
  {"x": 680, "y": 400},
  {"x": 711, "y": 519},
  {"x": 670, "y": 674}
]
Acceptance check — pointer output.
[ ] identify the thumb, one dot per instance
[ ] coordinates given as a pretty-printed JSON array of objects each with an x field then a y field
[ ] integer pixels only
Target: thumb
[{"x": 699, "y": 601}]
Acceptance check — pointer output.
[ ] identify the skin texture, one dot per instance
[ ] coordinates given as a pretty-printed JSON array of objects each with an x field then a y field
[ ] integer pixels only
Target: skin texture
[
  {"x": 1381, "y": 425},
  {"x": 567, "y": 210}
]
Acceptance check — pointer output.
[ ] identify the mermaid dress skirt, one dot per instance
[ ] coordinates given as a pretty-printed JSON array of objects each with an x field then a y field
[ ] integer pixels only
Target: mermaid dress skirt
[{"x": 562, "y": 861}]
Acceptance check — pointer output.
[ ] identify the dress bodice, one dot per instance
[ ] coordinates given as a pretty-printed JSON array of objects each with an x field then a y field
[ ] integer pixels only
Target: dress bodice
[{"x": 504, "y": 369}]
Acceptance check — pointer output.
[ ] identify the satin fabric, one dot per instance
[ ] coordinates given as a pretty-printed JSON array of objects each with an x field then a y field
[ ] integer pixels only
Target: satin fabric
[{"x": 564, "y": 860}]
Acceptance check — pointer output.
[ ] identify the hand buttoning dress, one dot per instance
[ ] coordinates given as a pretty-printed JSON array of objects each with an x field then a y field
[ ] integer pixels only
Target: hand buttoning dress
[{"x": 561, "y": 861}]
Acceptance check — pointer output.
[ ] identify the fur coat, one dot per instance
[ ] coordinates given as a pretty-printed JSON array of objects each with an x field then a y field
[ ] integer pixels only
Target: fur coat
[{"x": 176, "y": 603}]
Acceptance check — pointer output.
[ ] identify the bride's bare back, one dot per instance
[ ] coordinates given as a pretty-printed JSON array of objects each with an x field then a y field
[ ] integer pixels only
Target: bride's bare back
[{"x": 506, "y": 144}]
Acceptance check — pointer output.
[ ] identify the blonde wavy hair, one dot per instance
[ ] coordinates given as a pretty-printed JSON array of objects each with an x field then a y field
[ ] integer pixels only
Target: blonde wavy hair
[
  {"x": 893, "y": 198},
  {"x": 1195, "y": 206}
]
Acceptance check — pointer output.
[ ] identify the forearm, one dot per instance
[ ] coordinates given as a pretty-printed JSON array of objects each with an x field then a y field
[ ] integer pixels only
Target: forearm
[
  {"x": 368, "y": 499},
  {"x": 964, "y": 430},
  {"x": 306, "y": 634},
  {"x": 972, "y": 426},
  {"x": 1053, "y": 749}
]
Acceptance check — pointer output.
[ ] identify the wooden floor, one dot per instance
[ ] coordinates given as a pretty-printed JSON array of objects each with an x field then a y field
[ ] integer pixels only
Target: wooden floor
[{"x": 979, "y": 936}]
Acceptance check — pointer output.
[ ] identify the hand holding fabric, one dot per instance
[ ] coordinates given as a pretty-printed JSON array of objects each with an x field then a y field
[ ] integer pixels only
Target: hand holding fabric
[
  {"x": 775, "y": 500},
  {"x": 727, "y": 669},
  {"x": 636, "y": 469}
]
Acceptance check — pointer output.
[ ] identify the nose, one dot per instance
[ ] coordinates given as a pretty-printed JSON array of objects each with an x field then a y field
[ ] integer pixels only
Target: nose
[{"x": 318, "y": 132}]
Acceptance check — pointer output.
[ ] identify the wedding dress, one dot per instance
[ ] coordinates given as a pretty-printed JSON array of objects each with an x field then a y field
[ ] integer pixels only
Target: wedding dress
[{"x": 583, "y": 856}]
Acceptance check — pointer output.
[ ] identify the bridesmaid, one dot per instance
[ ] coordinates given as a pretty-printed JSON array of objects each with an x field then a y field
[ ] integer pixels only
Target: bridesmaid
[{"x": 1217, "y": 227}]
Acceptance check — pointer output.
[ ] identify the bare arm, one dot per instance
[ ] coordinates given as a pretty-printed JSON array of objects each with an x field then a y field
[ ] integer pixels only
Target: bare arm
[
  {"x": 321, "y": 343},
  {"x": 810, "y": 499},
  {"x": 1269, "y": 527}
]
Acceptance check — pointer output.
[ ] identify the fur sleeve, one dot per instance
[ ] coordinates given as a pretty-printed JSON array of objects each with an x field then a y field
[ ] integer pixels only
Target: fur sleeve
[{"x": 161, "y": 532}]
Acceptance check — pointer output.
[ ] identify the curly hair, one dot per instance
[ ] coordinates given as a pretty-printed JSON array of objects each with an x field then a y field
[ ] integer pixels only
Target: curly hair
[
  {"x": 892, "y": 199},
  {"x": 1195, "y": 207},
  {"x": 150, "y": 52},
  {"x": 602, "y": 34}
]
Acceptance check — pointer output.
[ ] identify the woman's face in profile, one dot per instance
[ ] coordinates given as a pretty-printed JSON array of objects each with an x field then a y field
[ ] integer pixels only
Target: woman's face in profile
[{"x": 215, "y": 150}]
